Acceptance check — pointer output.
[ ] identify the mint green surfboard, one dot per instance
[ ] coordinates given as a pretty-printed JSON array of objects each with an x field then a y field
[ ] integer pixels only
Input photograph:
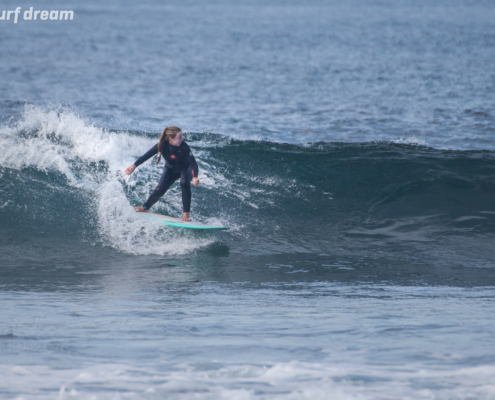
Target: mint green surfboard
[{"x": 177, "y": 223}]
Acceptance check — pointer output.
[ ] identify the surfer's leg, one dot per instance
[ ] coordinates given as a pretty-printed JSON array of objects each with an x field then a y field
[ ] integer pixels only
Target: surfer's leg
[
  {"x": 185, "y": 184},
  {"x": 168, "y": 177}
]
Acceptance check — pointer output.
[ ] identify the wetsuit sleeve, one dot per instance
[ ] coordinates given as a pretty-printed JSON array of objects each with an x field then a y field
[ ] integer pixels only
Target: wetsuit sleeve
[
  {"x": 146, "y": 156},
  {"x": 192, "y": 162}
]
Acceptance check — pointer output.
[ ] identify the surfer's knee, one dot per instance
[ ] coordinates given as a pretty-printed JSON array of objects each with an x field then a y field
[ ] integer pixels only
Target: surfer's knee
[
  {"x": 184, "y": 183},
  {"x": 160, "y": 190}
]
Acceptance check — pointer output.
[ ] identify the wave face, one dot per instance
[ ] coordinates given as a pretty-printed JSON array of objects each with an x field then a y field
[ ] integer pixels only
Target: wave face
[{"x": 64, "y": 176}]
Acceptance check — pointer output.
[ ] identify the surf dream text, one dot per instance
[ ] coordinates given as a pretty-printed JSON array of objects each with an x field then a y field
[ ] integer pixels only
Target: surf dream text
[{"x": 31, "y": 14}]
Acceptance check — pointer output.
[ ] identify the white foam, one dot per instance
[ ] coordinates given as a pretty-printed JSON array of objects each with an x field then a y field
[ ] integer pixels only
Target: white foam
[
  {"x": 283, "y": 380},
  {"x": 410, "y": 140}
]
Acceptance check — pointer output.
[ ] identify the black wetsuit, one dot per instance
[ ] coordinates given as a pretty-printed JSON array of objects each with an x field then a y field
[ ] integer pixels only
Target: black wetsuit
[{"x": 180, "y": 163}]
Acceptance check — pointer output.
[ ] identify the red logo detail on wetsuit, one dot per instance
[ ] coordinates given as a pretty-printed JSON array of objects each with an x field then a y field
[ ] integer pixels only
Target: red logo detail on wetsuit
[{"x": 172, "y": 156}]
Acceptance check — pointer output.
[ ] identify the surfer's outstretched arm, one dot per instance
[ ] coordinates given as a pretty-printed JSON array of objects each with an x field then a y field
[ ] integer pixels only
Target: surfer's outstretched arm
[{"x": 146, "y": 156}]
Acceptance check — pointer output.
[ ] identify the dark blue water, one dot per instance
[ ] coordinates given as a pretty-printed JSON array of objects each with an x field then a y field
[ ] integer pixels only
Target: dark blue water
[{"x": 350, "y": 148}]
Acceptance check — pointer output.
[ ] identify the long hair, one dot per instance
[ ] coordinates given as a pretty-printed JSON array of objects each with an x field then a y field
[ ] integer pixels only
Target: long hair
[{"x": 168, "y": 132}]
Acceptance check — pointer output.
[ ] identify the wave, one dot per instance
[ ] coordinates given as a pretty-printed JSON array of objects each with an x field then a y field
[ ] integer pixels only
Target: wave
[{"x": 61, "y": 174}]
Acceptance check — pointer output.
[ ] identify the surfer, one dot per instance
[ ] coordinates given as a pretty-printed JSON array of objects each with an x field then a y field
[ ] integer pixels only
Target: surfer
[{"x": 179, "y": 163}]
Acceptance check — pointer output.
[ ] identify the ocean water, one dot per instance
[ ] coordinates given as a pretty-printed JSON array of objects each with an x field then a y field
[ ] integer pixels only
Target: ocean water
[{"x": 348, "y": 145}]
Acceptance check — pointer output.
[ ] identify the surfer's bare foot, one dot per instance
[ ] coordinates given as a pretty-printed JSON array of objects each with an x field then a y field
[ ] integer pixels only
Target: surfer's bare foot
[
  {"x": 139, "y": 209},
  {"x": 185, "y": 217}
]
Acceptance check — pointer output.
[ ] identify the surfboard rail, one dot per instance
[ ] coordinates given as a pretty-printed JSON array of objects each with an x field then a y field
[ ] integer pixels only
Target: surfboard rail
[{"x": 177, "y": 223}]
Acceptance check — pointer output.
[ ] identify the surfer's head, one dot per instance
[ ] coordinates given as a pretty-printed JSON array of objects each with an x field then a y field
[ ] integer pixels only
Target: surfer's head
[
  {"x": 171, "y": 134},
  {"x": 176, "y": 140}
]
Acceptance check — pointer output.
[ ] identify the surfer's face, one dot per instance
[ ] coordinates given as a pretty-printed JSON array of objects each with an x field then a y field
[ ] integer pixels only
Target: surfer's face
[{"x": 177, "y": 140}]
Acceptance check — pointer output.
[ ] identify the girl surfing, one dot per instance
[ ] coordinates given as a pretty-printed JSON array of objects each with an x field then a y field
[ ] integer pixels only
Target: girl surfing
[{"x": 179, "y": 163}]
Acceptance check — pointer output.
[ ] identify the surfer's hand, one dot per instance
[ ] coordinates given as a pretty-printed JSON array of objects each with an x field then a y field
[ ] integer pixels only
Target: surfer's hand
[
  {"x": 195, "y": 181},
  {"x": 130, "y": 170}
]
